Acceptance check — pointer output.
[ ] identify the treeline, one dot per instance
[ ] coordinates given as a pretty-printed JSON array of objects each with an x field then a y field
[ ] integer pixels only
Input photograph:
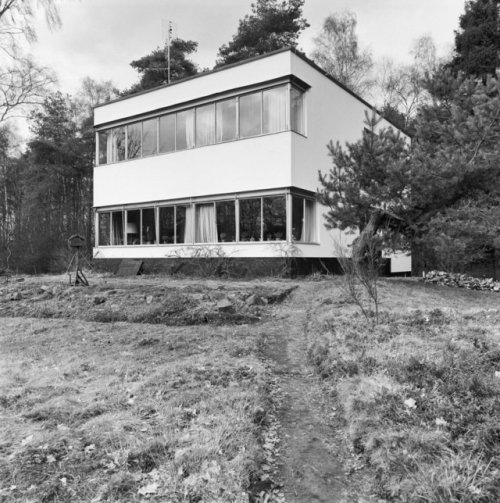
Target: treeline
[
  {"x": 440, "y": 195},
  {"x": 47, "y": 191}
]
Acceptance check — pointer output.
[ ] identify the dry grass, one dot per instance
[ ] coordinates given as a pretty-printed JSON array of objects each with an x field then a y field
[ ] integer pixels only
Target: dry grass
[
  {"x": 420, "y": 392},
  {"x": 127, "y": 412}
]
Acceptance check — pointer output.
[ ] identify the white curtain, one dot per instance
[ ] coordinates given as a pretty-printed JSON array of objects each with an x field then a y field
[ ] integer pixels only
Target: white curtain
[
  {"x": 205, "y": 226},
  {"x": 309, "y": 227},
  {"x": 188, "y": 226},
  {"x": 226, "y": 120},
  {"x": 109, "y": 146},
  {"x": 205, "y": 125},
  {"x": 185, "y": 129},
  {"x": 297, "y": 110},
  {"x": 275, "y": 110}
]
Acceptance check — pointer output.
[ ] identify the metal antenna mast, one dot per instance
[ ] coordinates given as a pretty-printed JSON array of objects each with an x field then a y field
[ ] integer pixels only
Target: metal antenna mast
[{"x": 168, "y": 28}]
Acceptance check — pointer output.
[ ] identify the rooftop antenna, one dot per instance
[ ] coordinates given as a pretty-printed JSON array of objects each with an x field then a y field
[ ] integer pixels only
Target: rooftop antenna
[{"x": 168, "y": 36}]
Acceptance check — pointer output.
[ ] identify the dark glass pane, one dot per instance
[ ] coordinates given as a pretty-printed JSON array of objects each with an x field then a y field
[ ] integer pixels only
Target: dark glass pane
[
  {"x": 274, "y": 110},
  {"x": 167, "y": 133},
  {"x": 274, "y": 210},
  {"x": 104, "y": 229},
  {"x": 184, "y": 136},
  {"x": 167, "y": 231},
  {"x": 297, "y": 115},
  {"x": 226, "y": 223},
  {"x": 250, "y": 220},
  {"x": 226, "y": 120},
  {"x": 148, "y": 226},
  {"x": 250, "y": 115},
  {"x": 134, "y": 140},
  {"x": 297, "y": 218},
  {"x": 205, "y": 125},
  {"x": 149, "y": 137},
  {"x": 117, "y": 223},
  {"x": 133, "y": 227},
  {"x": 118, "y": 144},
  {"x": 104, "y": 138},
  {"x": 180, "y": 222}
]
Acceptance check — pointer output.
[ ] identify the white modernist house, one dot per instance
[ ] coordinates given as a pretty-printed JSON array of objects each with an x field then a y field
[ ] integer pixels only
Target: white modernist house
[{"x": 227, "y": 160}]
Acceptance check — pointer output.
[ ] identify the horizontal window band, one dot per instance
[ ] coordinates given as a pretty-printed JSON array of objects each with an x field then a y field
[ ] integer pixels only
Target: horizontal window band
[{"x": 219, "y": 96}]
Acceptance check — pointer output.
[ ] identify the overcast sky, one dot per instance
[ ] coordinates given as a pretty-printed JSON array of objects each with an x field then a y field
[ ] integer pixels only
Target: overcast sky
[{"x": 99, "y": 38}]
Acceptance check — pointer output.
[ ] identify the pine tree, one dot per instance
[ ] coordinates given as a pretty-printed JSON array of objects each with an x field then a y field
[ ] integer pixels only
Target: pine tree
[
  {"x": 152, "y": 68},
  {"x": 450, "y": 172},
  {"x": 273, "y": 24},
  {"x": 477, "y": 43}
]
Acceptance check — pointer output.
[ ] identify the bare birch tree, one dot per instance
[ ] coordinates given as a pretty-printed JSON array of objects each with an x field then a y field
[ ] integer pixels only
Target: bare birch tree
[
  {"x": 339, "y": 53},
  {"x": 22, "y": 81}
]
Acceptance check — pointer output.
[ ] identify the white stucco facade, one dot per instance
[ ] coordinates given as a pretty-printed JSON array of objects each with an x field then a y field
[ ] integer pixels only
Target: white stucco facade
[{"x": 284, "y": 163}]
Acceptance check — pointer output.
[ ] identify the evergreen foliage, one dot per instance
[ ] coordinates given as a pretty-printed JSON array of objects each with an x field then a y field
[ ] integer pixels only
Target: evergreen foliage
[
  {"x": 153, "y": 68},
  {"x": 477, "y": 43},
  {"x": 273, "y": 24}
]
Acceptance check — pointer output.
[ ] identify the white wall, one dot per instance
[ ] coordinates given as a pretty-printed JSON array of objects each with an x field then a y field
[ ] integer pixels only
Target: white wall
[
  {"x": 331, "y": 114},
  {"x": 239, "y": 166}
]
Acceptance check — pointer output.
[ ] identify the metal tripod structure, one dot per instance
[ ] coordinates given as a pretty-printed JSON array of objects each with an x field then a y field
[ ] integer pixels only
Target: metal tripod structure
[{"x": 75, "y": 242}]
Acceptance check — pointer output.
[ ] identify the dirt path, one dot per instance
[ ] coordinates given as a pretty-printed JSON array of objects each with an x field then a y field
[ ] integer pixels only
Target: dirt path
[{"x": 312, "y": 461}]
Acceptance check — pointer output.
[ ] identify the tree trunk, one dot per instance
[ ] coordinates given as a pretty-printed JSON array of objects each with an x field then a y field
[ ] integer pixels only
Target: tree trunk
[{"x": 363, "y": 242}]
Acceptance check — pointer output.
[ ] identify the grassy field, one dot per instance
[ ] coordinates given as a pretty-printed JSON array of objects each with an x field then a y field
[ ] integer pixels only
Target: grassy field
[
  {"x": 420, "y": 392},
  {"x": 127, "y": 411},
  {"x": 156, "y": 389}
]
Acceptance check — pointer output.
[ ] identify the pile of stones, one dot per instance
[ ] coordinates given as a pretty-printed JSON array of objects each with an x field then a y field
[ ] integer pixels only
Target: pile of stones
[{"x": 461, "y": 281}]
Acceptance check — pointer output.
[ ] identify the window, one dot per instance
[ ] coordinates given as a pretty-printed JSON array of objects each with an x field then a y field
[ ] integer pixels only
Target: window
[
  {"x": 303, "y": 219},
  {"x": 148, "y": 234},
  {"x": 251, "y": 115},
  {"x": 167, "y": 225},
  {"x": 259, "y": 219},
  {"x": 274, "y": 213},
  {"x": 226, "y": 120},
  {"x": 104, "y": 146},
  {"x": 297, "y": 116},
  {"x": 104, "y": 229},
  {"x": 250, "y": 219},
  {"x": 297, "y": 218},
  {"x": 309, "y": 221},
  {"x": 167, "y": 133},
  {"x": 184, "y": 132},
  {"x": 205, "y": 125},
  {"x": 133, "y": 227},
  {"x": 274, "y": 110},
  {"x": 117, "y": 226},
  {"x": 183, "y": 224},
  {"x": 175, "y": 225},
  {"x": 117, "y": 144},
  {"x": 226, "y": 221},
  {"x": 149, "y": 137},
  {"x": 134, "y": 132}
]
